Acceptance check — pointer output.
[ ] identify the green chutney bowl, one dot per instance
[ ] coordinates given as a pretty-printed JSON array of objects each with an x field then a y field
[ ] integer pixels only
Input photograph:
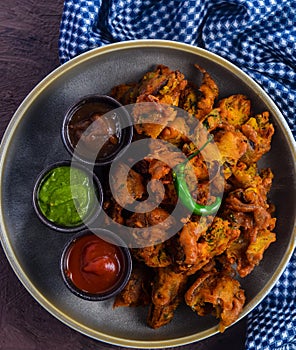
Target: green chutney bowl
[{"x": 67, "y": 196}]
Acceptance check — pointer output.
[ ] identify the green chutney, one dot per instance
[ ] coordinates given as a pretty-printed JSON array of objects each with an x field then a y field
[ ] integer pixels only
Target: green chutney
[{"x": 66, "y": 196}]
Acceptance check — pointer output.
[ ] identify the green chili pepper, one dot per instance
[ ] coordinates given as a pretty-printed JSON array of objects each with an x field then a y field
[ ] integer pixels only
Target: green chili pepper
[{"x": 183, "y": 190}]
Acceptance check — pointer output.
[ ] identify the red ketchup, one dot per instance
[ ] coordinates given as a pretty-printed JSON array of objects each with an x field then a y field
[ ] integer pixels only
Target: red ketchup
[{"x": 93, "y": 265}]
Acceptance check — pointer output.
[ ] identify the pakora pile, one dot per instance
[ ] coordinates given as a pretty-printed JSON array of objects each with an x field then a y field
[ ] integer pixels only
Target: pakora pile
[{"x": 201, "y": 263}]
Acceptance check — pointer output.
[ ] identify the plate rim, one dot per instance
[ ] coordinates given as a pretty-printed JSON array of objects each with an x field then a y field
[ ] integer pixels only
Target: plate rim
[{"x": 4, "y": 147}]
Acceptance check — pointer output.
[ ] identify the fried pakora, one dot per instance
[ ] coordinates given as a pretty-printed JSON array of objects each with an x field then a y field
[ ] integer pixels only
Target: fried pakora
[
  {"x": 199, "y": 264},
  {"x": 138, "y": 289},
  {"x": 217, "y": 293},
  {"x": 167, "y": 293},
  {"x": 198, "y": 248}
]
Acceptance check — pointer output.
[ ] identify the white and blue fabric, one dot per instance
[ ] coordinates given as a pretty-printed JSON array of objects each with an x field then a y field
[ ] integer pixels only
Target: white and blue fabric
[
  {"x": 272, "y": 324},
  {"x": 259, "y": 36}
]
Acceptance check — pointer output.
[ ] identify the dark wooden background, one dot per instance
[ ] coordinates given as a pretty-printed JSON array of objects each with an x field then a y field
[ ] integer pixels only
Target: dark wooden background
[{"x": 29, "y": 32}]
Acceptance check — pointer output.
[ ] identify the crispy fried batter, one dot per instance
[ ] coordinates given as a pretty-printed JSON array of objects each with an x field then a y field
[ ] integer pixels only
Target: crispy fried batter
[
  {"x": 165, "y": 153},
  {"x": 213, "y": 120},
  {"x": 153, "y": 256},
  {"x": 259, "y": 132},
  {"x": 157, "y": 217},
  {"x": 158, "y": 169},
  {"x": 251, "y": 197},
  {"x": 188, "y": 249},
  {"x": 235, "y": 110},
  {"x": 163, "y": 83},
  {"x": 256, "y": 249},
  {"x": 152, "y": 118},
  {"x": 217, "y": 293},
  {"x": 114, "y": 211},
  {"x": 209, "y": 251},
  {"x": 200, "y": 247},
  {"x": 167, "y": 293},
  {"x": 125, "y": 93},
  {"x": 189, "y": 98},
  {"x": 176, "y": 132},
  {"x": 248, "y": 208},
  {"x": 232, "y": 145},
  {"x": 137, "y": 291},
  {"x": 247, "y": 252},
  {"x": 127, "y": 188},
  {"x": 209, "y": 91},
  {"x": 161, "y": 86},
  {"x": 151, "y": 241}
]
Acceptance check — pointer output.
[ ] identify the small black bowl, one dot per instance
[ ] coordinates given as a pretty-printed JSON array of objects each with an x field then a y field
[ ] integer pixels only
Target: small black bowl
[
  {"x": 96, "y": 264},
  {"x": 96, "y": 129},
  {"x": 50, "y": 209}
]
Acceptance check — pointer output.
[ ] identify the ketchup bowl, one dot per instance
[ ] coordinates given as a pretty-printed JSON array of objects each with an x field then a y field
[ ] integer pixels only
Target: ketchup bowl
[
  {"x": 96, "y": 129},
  {"x": 96, "y": 264}
]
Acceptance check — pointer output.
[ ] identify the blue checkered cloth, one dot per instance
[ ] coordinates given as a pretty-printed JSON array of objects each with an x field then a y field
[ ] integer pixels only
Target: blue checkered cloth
[
  {"x": 272, "y": 324},
  {"x": 259, "y": 36}
]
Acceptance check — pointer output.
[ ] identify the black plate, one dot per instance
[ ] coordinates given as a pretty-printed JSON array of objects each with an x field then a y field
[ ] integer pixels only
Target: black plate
[{"x": 33, "y": 141}]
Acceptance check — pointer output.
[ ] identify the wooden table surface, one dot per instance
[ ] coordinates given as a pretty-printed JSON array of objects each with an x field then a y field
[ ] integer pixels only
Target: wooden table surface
[{"x": 29, "y": 32}]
